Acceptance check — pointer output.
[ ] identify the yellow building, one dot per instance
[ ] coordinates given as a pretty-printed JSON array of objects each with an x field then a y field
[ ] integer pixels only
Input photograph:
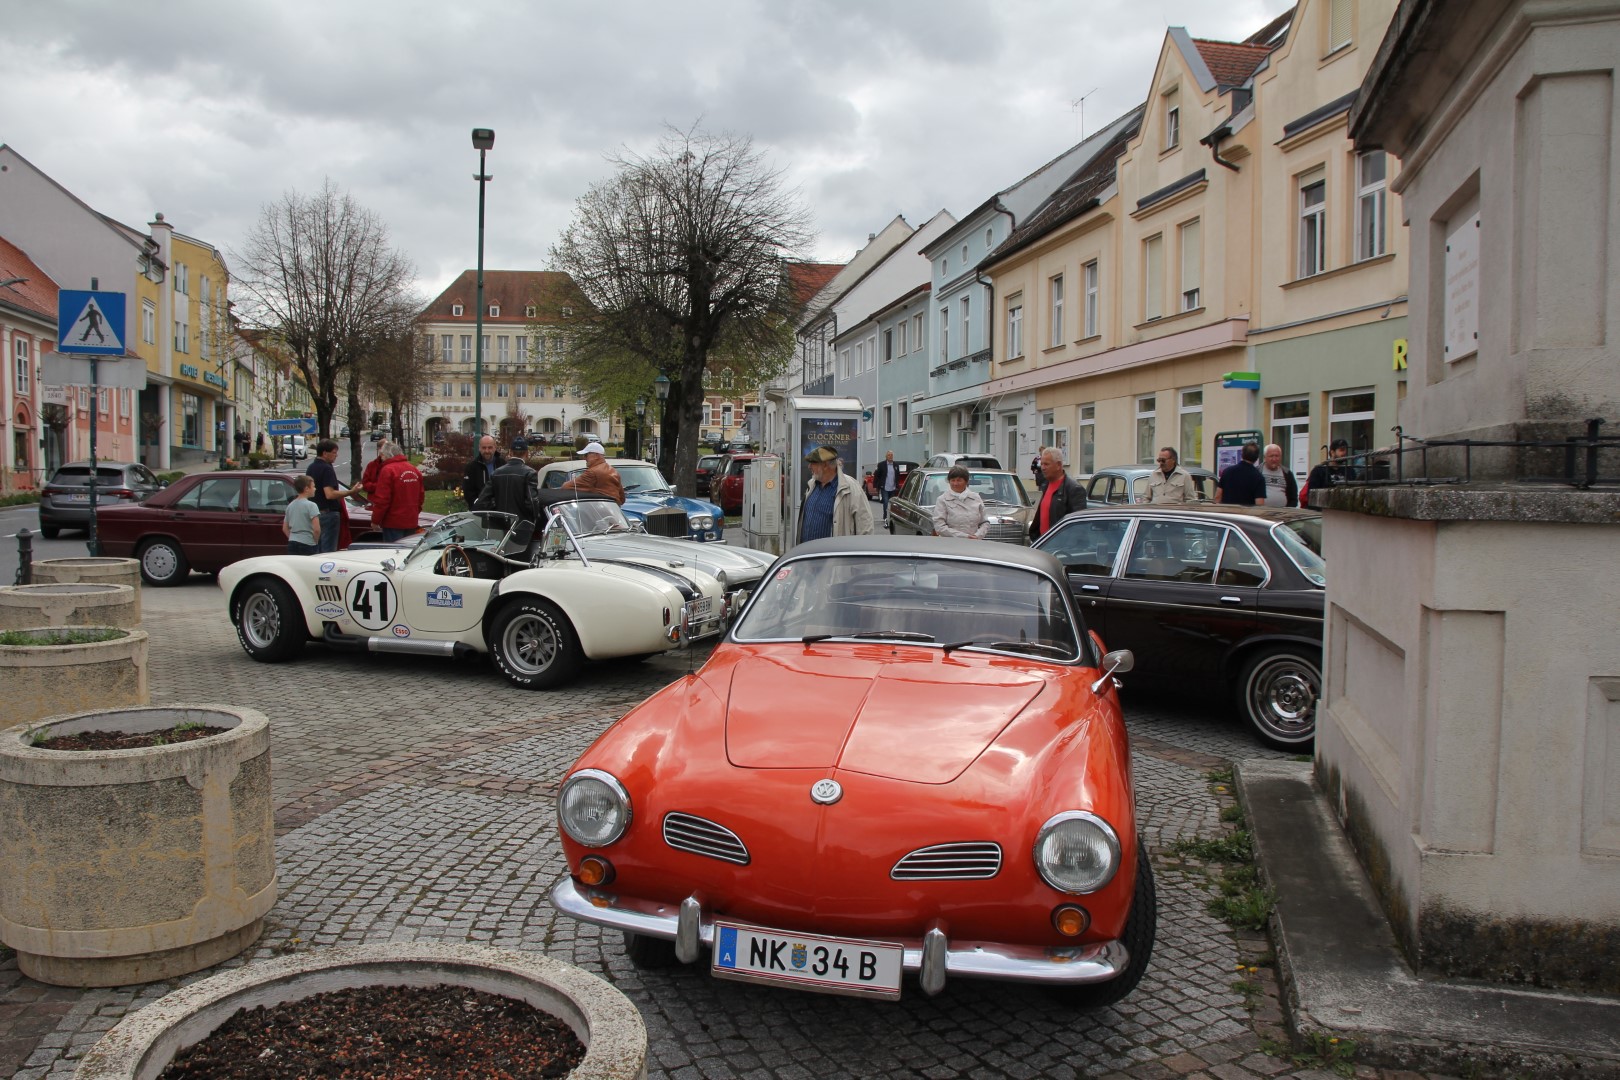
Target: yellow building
[{"x": 188, "y": 396}]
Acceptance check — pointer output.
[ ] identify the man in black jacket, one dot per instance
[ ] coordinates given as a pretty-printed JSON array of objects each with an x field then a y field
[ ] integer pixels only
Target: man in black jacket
[
  {"x": 886, "y": 479},
  {"x": 480, "y": 469},
  {"x": 1060, "y": 497},
  {"x": 513, "y": 487}
]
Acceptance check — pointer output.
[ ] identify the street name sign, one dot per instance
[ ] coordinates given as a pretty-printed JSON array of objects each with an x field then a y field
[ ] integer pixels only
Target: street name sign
[
  {"x": 299, "y": 425},
  {"x": 90, "y": 323}
]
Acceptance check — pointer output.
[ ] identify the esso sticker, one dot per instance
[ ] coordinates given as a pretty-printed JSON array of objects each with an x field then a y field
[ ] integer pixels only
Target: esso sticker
[
  {"x": 784, "y": 573},
  {"x": 371, "y": 600}
]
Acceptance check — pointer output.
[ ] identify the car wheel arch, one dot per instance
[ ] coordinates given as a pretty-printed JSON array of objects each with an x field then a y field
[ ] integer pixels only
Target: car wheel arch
[{"x": 1242, "y": 652}]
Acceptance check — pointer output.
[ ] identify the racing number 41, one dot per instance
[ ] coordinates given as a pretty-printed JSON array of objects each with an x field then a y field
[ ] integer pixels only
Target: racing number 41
[{"x": 361, "y": 601}]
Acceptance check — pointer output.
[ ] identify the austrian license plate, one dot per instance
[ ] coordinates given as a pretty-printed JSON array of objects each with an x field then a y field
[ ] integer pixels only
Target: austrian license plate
[
  {"x": 808, "y": 961},
  {"x": 85, "y": 498}
]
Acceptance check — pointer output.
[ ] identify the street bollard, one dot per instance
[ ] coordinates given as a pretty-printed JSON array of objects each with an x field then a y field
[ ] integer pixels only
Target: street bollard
[{"x": 25, "y": 558}]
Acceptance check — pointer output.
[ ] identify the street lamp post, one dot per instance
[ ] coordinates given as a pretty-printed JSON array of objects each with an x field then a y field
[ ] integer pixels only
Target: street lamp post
[
  {"x": 641, "y": 427},
  {"x": 661, "y": 389},
  {"x": 483, "y": 140}
]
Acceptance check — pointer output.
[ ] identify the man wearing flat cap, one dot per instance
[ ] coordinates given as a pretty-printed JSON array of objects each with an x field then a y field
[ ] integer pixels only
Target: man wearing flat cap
[
  {"x": 833, "y": 505},
  {"x": 597, "y": 475}
]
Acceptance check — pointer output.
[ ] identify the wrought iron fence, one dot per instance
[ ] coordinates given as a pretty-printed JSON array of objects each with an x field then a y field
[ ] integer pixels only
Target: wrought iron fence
[{"x": 1579, "y": 461}]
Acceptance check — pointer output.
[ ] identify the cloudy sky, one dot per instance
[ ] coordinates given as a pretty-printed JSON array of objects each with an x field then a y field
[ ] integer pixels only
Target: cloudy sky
[{"x": 871, "y": 108}]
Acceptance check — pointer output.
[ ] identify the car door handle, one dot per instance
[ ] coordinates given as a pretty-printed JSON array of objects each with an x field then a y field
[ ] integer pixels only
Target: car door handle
[
  {"x": 1231, "y": 599},
  {"x": 1091, "y": 588}
]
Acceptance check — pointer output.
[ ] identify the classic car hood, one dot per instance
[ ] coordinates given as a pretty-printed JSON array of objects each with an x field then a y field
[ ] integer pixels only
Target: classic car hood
[
  {"x": 644, "y": 504},
  {"x": 740, "y": 564},
  {"x": 910, "y": 715}
]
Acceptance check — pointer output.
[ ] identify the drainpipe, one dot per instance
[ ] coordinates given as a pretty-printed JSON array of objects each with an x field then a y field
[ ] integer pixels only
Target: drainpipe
[{"x": 1213, "y": 141}]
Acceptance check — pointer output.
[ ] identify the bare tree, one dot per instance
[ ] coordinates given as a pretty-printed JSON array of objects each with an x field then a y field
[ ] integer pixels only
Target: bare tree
[
  {"x": 319, "y": 272},
  {"x": 682, "y": 256},
  {"x": 396, "y": 366}
]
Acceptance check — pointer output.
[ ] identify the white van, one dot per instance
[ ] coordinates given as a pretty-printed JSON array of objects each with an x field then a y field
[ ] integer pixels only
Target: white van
[{"x": 293, "y": 446}]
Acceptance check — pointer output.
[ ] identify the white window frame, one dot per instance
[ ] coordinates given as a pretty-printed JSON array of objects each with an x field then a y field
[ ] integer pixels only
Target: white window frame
[
  {"x": 1153, "y": 277},
  {"x": 1371, "y": 196},
  {"x": 871, "y": 352},
  {"x": 466, "y": 348},
  {"x": 845, "y": 358},
  {"x": 148, "y": 322},
  {"x": 967, "y": 325},
  {"x": 1055, "y": 310},
  {"x": 888, "y": 420},
  {"x": 917, "y": 415},
  {"x": 902, "y": 346},
  {"x": 1149, "y": 415},
  {"x": 1086, "y": 423},
  {"x": 888, "y": 345},
  {"x": 455, "y": 310},
  {"x": 520, "y": 350},
  {"x": 447, "y": 348},
  {"x": 944, "y": 334},
  {"x": 903, "y": 407},
  {"x": 1336, "y": 418},
  {"x": 22, "y": 367},
  {"x": 1189, "y": 241},
  {"x": 1172, "y": 119},
  {"x": 182, "y": 279},
  {"x": 1189, "y": 402},
  {"x": 1091, "y": 281},
  {"x": 1312, "y": 224},
  {"x": 1015, "y": 327},
  {"x": 528, "y": 311},
  {"x": 503, "y": 349}
]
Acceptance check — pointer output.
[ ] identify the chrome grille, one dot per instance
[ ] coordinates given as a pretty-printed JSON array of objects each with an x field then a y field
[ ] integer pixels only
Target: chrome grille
[
  {"x": 329, "y": 592},
  {"x": 950, "y": 862},
  {"x": 1008, "y": 532},
  {"x": 686, "y": 832}
]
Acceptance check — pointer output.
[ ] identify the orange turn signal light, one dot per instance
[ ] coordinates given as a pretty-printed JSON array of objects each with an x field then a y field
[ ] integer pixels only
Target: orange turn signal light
[
  {"x": 1070, "y": 920},
  {"x": 594, "y": 870}
]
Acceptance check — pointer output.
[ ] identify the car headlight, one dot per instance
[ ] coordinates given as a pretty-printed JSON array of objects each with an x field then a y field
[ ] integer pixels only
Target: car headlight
[
  {"x": 1077, "y": 852},
  {"x": 702, "y": 521},
  {"x": 593, "y": 808}
]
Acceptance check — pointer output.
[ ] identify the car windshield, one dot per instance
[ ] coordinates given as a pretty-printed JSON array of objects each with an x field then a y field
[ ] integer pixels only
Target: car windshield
[
  {"x": 993, "y": 487},
  {"x": 483, "y": 528},
  {"x": 942, "y": 602},
  {"x": 1301, "y": 538},
  {"x": 590, "y": 517},
  {"x": 642, "y": 478}
]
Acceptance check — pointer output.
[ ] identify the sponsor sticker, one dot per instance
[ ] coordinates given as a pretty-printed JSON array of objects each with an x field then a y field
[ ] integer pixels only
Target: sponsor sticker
[
  {"x": 401, "y": 630},
  {"x": 443, "y": 597},
  {"x": 330, "y": 611},
  {"x": 326, "y": 567}
]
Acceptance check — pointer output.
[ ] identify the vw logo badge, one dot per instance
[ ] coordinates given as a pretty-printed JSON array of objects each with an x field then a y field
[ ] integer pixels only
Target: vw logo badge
[{"x": 826, "y": 792}]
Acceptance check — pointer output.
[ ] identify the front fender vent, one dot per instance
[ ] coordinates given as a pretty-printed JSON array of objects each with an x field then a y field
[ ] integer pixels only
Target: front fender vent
[
  {"x": 329, "y": 593},
  {"x": 687, "y": 832},
  {"x": 950, "y": 862}
]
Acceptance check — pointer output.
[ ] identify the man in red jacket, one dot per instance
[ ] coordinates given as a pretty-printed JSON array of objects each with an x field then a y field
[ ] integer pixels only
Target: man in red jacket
[{"x": 396, "y": 501}]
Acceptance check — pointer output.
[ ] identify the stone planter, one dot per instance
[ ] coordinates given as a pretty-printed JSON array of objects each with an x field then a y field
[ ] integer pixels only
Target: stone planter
[
  {"x": 92, "y": 570},
  {"x": 72, "y": 604},
  {"x": 128, "y": 866},
  {"x": 604, "y": 1020},
  {"x": 43, "y": 680}
]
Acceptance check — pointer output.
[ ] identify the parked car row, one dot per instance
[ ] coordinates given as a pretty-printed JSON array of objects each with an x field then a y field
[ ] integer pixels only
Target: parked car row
[{"x": 646, "y": 491}]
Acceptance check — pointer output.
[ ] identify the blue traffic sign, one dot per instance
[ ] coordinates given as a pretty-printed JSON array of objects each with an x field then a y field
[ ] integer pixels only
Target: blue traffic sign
[
  {"x": 301, "y": 425},
  {"x": 90, "y": 323}
]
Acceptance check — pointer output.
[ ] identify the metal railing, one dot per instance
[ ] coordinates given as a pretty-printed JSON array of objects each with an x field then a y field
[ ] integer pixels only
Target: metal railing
[{"x": 1582, "y": 461}]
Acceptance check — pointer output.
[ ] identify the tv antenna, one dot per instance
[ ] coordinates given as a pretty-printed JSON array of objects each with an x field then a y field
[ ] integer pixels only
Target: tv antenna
[{"x": 1078, "y": 105}]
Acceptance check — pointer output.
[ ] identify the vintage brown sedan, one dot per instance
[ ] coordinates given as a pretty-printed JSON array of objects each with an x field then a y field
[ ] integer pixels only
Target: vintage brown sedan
[
  {"x": 1223, "y": 596},
  {"x": 207, "y": 521}
]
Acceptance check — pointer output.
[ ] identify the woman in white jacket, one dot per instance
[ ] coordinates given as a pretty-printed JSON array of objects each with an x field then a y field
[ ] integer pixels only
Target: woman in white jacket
[{"x": 959, "y": 512}]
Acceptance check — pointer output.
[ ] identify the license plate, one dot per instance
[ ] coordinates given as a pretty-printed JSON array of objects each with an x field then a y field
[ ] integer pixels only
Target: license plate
[
  {"x": 828, "y": 965},
  {"x": 79, "y": 498}
]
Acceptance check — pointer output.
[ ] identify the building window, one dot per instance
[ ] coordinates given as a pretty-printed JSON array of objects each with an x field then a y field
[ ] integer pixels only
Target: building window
[
  {"x": 967, "y": 325},
  {"x": 1351, "y": 417},
  {"x": 466, "y": 349},
  {"x": 916, "y": 413},
  {"x": 1153, "y": 279},
  {"x": 844, "y": 366},
  {"x": 905, "y": 421},
  {"x": 989, "y": 240},
  {"x": 1090, "y": 282},
  {"x": 888, "y": 421},
  {"x": 964, "y": 256},
  {"x": 944, "y": 334},
  {"x": 449, "y": 390},
  {"x": 182, "y": 279},
  {"x": 1172, "y": 120},
  {"x": 521, "y": 389},
  {"x": 182, "y": 336},
  {"x": 917, "y": 331},
  {"x": 148, "y": 322},
  {"x": 528, "y": 311},
  {"x": 1147, "y": 429},
  {"x": 485, "y": 340},
  {"x": 466, "y": 389},
  {"x": 860, "y": 357},
  {"x": 1312, "y": 226},
  {"x": 1056, "y": 291},
  {"x": 447, "y": 348},
  {"x": 494, "y": 311},
  {"x": 1291, "y": 430},
  {"x": 1088, "y": 439},
  {"x": 871, "y": 353},
  {"x": 1192, "y": 426},
  {"x": 1191, "y": 266},
  {"x": 501, "y": 346},
  {"x": 455, "y": 310},
  {"x": 522, "y": 349},
  {"x": 901, "y": 347},
  {"x": 888, "y": 345},
  {"x": 727, "y": 379},
  {"x": 500, "y": 389},
  {"x": 1340, "y": 18},
  {"x": 1371, "y": 174},
  {"x": 1015, "y": 327},
  {"x": 23, "y": 369},
  {"x": 191, "y": 426}
]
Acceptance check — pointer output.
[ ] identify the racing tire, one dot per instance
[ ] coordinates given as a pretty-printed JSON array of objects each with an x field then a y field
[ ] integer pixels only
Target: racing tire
[
  {"x": 1277, "y": 692},
  {"x": 270, "y": 621},
  {"x": 50, "y": 532},
  {"x": 163, "y": 563},
  {"x": 649, "y": 953},
  {"x": 533, "y": 645},
  {"x": 1141, "y": 927}
]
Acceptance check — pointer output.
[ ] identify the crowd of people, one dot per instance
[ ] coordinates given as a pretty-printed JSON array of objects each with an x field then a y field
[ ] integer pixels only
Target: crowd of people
[{"x": 317, "y": 520}]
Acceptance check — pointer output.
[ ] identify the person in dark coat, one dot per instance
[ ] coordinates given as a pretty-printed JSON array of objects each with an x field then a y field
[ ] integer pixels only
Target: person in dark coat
[
  {"x": 513, "y": 487},
  {"x": 480, "y": 469},
  {"x": 1242, "y": 484},
  {"x": 1060, "y": 495}
]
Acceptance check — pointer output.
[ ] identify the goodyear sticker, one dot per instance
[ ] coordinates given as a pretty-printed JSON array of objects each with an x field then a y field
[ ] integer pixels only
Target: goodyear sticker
[
  {"x": 330, "y": 611},
  {"x": 401, "y": 630},
  {"x": 443, "y": 597},
  {"x": 326, "y": 567}
]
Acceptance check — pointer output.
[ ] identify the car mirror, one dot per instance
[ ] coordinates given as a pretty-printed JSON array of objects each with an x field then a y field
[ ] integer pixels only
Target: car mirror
[
  {"x": 1114, "y": 663},
  {"x": 389, "y": 565}
]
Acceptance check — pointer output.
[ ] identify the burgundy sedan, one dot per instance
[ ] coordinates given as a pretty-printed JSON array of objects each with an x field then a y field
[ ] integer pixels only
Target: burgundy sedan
[{"x": 207, "y": 521}]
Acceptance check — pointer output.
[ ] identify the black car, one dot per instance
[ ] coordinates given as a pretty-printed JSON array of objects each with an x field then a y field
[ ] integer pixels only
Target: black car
[
  {"x": 65, "y": 502},
  {"x": 1213, "y": 595}
]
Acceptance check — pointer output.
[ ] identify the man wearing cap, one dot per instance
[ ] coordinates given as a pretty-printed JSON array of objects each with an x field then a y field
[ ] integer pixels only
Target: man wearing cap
[
  {"x": 833, "y": 505},
  {"x": 512, "y": 488},
  {"x": 597, "y": 475}
]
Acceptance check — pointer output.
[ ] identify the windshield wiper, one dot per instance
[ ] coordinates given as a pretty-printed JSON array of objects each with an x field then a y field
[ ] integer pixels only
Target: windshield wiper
[
  {"x": 1013, "y": 646},
  {"x": 898, "y": 635}
]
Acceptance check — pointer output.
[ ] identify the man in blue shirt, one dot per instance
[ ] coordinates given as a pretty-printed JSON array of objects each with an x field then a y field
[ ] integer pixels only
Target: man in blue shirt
[{"x": 329, "y": 494}]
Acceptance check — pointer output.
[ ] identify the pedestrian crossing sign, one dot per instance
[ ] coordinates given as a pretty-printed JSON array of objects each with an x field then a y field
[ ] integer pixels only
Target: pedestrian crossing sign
[{"x": 90, "y": 323}]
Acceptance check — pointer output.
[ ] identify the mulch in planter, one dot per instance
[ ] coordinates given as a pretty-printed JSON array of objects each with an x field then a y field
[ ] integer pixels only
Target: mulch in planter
[
  {"x": 124, "y": 740},
  {"x": 385, "y": 1033}
]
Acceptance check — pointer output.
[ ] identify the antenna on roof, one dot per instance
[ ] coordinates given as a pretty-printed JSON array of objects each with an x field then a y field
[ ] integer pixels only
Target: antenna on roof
[{"x": 1079, "y": 105}]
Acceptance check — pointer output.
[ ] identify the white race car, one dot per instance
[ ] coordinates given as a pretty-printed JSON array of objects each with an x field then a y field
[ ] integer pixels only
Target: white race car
[{"x": 475, "y": 583}]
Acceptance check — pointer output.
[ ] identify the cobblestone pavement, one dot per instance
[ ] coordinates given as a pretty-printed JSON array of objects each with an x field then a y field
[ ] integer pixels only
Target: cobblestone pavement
[{"x": 414, "y": 802}]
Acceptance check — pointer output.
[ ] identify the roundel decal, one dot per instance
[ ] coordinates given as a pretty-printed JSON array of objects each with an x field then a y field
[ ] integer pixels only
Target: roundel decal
[{"x": 371, "y": 600}]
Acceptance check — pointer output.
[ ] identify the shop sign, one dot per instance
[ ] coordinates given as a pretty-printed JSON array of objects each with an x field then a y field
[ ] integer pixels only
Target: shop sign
[{"x": 190, "y": 371}]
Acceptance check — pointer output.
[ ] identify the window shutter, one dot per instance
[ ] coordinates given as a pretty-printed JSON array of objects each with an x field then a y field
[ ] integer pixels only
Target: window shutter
[{"x": 1339, "y": 24}]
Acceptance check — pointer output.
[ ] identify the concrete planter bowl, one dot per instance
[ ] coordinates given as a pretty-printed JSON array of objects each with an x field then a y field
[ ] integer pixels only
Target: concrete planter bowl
[
  {"x": 144, "y": 1043},
  {"x": 57, "y": 676},
  {"x": 98, "y": 570},
  {"x": 68, "y": 604},
  {"x": 129, "y": 866}
]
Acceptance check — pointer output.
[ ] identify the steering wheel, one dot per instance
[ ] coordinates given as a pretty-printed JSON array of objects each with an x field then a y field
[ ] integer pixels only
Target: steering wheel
[{"x": 455, "y": 562}]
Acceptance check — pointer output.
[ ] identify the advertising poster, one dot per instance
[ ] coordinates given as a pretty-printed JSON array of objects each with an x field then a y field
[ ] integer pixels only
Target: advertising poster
[{"x": 838, "y": 432}]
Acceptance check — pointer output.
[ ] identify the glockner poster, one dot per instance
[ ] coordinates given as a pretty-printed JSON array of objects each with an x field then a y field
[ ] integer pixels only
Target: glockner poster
[{"x": 838, "y": 432}]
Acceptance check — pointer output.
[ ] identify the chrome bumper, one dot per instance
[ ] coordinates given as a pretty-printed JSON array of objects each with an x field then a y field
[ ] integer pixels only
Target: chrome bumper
[{"x": 931, "y": 958}]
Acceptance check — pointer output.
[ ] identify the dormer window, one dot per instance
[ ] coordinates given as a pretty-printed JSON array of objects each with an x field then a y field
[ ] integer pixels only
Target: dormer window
[
  {"x": 567, "y": 311},
  {"x": 455, "y": 310},
  {"x": 1172, "y": 119},
  {"x": 494, "y": 311},
  {"x": 528, "y": 312}
]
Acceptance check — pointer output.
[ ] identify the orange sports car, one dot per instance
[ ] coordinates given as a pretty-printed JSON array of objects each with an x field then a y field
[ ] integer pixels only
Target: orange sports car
[{"x": 906, "y": 757}]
